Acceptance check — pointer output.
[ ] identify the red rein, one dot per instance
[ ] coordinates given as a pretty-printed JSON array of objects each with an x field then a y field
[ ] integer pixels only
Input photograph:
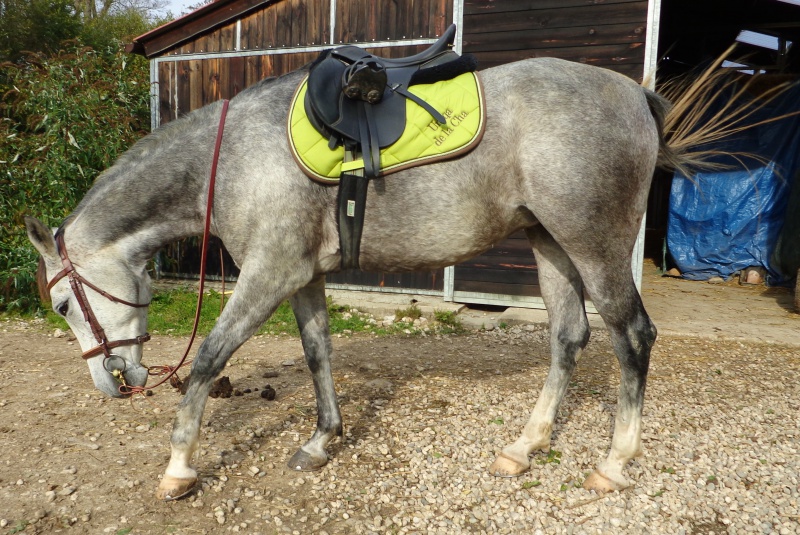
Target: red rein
[{"x": 170, "y": 370}]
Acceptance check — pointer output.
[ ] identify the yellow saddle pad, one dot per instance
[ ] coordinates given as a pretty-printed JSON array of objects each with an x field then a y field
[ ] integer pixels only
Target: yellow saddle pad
[{"x": 423, "y": 141}]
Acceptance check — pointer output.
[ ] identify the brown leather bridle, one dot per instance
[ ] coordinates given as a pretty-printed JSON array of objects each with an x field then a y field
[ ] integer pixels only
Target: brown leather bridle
[{"x": 77, "y": 282}]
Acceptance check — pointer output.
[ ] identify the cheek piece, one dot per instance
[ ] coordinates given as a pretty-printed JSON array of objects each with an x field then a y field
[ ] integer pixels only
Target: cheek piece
[{"x": 114, "y": 364}]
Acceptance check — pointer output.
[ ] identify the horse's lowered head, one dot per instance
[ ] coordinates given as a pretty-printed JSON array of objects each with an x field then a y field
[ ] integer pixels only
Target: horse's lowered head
[{"x": 103, "y": 299}]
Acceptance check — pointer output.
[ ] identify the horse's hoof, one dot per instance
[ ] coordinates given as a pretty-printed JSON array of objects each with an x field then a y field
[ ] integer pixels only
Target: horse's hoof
[
  {"x": 303, "y": 461},
  {"x": 507, "y": 467},
  {"x": 602, "y": 484},
  {"x": 175, "y": 488}
]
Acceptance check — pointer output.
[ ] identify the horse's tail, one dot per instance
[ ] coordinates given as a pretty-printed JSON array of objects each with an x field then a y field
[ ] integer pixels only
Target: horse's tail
[
  {"x": 693, "y": 114},
  {"x": 669, "y": 156}
]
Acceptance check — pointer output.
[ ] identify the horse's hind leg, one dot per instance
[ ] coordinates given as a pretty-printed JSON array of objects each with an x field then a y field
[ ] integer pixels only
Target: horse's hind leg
[
  {"x": 569, "y": 333},
  {"x": 311, "y": 312},
  {"x": 632, "y": 336}
]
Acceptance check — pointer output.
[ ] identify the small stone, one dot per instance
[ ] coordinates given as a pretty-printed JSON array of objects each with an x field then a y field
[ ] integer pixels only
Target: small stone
[
  {"x": 289, "y": 362},
  {"x": 383, "y": 385},
  {"x": 269, "y": 374},
  {"x": 254, "y": 470}
]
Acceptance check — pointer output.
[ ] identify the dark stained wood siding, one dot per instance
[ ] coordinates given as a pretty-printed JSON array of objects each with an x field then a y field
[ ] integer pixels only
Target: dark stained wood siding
[
  {"x": 420, "y": 280},
  {"x": 186, "y": 85},
  {"x": 506, "y": 269},
  {"x": 370, "y": 20},
  {"x": 605, "y": 33},
  {"x": 283, "y": 24}
]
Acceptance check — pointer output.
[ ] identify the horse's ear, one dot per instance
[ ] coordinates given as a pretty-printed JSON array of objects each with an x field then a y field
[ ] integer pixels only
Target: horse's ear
[{"x": 42, "y": 238}]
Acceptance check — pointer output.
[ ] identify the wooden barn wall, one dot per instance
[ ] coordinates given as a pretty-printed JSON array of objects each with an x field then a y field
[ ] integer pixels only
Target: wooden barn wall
[
  {"x": 362, "y": 21},
  {"x": 604, "y": 33},
  {"x": 186, "y": 85},
  {"x": 289, "y": 23}
]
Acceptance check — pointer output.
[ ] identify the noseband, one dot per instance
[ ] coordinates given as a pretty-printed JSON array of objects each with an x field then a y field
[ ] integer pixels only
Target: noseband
[{"x": 77, "y": 282}]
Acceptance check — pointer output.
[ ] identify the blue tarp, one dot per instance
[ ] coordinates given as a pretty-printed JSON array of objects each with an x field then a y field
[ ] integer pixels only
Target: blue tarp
[{"x": 721, "y": 222}]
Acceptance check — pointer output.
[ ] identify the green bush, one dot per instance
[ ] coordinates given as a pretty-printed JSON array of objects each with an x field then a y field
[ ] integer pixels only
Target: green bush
[{"x": 63, "y": 119}]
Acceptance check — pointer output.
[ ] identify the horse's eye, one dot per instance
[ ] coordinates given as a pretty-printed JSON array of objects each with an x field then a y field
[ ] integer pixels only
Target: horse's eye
[{"x": 63, "y": 308}]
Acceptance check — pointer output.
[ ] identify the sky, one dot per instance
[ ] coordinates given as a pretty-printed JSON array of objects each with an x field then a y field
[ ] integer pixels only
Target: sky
[{"x": 178, "y": 7}]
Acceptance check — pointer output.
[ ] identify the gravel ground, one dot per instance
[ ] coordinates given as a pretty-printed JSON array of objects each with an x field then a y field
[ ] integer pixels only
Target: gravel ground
[{"x": 424, "y": 417}]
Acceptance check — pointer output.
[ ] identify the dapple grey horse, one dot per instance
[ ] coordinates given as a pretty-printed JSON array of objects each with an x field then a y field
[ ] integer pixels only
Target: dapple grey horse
[{"x": 568, "y": 155}]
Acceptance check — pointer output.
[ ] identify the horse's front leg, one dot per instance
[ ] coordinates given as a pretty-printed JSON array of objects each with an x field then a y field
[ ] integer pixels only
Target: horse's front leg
[
  {"x": 255, "y": 299},
  {"x": 311, "y": 312}
]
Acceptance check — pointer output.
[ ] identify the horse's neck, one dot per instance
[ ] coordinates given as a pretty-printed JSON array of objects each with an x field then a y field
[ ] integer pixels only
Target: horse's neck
[{"x": 148, "y": 199}]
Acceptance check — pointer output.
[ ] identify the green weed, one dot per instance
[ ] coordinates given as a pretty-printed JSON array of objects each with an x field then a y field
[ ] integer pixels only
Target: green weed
[
  {"x": 412, "y": 312},
  {"x": 553, "y": 457},
  {"x": 447, "y": 322}
]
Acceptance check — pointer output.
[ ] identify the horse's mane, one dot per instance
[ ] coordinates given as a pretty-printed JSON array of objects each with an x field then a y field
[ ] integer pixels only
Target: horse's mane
[{"x": 164, "y": 135}]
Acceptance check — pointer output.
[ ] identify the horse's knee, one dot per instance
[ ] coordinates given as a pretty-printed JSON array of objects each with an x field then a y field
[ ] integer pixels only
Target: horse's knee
[{"x": 569, "y": 343}]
